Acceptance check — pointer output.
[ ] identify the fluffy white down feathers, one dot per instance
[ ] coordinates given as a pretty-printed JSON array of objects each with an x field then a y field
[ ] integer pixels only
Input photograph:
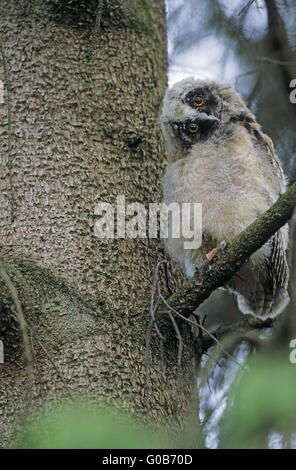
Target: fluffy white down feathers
[{"x": 219, "y": 157}]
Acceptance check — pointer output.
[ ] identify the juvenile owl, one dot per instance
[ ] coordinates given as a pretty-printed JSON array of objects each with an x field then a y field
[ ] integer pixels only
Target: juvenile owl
[{"x": 218, "y": 156}]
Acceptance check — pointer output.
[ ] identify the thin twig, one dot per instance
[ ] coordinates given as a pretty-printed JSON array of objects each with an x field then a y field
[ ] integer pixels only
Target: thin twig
[
  {"x": 19, "y": 315},
  {"x": 243, "y": 326},
  {"x": 167, "y": 278},
  {"x": 60, "y": 375},
  {"x": 96, "y": 30},
  {"x": 248, "y": 5},
  {"x": 148, "y": 365},
  {"x": 199, "y": 325},
  {"x": 155, "y": 302},
  {"x": 154, "y": 305},
  {"x": 179, "y": 336},
  {"x": 275, "y": 61}
]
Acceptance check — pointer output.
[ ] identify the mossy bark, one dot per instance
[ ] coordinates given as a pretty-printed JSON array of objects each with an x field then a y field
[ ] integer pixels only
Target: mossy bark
[{"x": 79, "y": 126}]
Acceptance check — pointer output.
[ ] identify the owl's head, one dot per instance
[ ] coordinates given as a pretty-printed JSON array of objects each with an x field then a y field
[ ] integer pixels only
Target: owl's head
[{"x": 196, "y": 110}]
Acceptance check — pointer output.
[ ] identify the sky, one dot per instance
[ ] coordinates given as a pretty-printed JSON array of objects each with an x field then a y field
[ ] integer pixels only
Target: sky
[
  {"x": 198, "y": 47},
  {"x": 205, "y": 55}
]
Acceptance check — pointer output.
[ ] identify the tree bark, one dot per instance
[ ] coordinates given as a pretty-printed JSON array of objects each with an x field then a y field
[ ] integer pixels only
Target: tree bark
[{"x": 82, "y": 94}]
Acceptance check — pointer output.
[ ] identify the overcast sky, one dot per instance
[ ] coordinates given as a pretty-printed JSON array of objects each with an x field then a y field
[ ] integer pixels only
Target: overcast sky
[{"x": 206, "y": 56}]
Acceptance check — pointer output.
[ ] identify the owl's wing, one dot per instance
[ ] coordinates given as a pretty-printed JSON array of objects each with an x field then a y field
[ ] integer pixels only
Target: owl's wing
[
  {"x": 265, "y": 143},
  {"x": 261, "y": 284},
  {"x": 268, "y": 147},
  {"x": 261, "y": 287}
]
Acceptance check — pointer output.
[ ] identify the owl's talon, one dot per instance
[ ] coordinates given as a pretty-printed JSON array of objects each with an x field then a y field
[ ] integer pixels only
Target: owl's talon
[{"x": 209, "y": 256}]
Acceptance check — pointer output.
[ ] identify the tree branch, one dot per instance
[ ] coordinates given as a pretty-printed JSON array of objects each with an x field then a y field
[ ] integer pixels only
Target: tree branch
[
  {"x": 221, "y": 269},
  {"x": 240, "y": 327},
  {"x": 279, "y": 45}
]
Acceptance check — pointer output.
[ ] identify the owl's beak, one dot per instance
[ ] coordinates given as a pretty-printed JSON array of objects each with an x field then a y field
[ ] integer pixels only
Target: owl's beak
[{"x": 207, "y": 118}]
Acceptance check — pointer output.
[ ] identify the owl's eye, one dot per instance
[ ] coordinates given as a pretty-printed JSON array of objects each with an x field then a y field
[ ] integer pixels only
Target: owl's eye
[
  {"x": 198, "y": 101},
  {"x": 193, "y": 127}
]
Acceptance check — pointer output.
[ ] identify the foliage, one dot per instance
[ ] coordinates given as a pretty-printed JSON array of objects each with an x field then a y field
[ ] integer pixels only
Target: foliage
[
  {"x": 261, "y": 409},
  {"x": 77, "y": 426}
]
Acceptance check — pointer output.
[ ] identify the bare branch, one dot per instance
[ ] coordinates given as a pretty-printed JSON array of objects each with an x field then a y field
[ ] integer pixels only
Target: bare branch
[
  {"x": 269, "y": 60},
  {"x": 248, "y": 5},
  {"x": 241, "y": 327}
]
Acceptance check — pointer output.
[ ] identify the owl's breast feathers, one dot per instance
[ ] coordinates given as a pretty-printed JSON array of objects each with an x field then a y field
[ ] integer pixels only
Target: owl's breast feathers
[{"x": 233, "y": 180}]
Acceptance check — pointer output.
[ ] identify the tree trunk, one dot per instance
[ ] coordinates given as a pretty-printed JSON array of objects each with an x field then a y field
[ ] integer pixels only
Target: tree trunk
[{"x": 82, "y": 94}]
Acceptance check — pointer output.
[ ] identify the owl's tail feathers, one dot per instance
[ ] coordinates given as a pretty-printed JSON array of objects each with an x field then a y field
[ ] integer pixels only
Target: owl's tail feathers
[
  {"x": 261, "y": 287},
  {"x": 269, "y": 307}
]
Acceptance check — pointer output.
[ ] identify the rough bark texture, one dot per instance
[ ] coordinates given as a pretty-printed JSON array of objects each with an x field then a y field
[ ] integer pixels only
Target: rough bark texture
[{"x": 79, "y": 126}]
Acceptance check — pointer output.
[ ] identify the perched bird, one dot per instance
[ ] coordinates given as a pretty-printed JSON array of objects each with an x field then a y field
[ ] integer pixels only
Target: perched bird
[{"x": 218, "y": 156}]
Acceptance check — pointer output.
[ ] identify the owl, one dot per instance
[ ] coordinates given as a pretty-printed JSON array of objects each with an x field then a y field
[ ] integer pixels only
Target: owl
[{"x": 219, "y": 157}]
